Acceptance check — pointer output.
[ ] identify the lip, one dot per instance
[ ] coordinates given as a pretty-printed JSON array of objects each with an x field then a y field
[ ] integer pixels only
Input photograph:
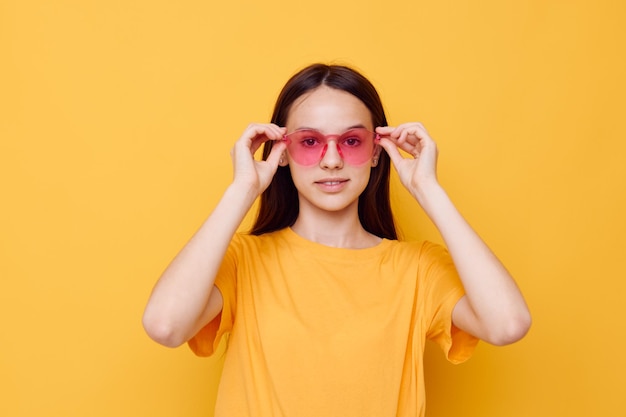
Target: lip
[{"x": 331, "y": 184}]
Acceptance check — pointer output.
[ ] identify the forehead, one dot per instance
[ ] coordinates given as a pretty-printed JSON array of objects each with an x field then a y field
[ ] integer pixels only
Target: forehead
[{"x": 328, "y": 110}]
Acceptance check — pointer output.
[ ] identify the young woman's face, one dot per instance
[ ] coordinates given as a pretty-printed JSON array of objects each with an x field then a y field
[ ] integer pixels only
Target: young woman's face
[{"x": 332, "y": 184}]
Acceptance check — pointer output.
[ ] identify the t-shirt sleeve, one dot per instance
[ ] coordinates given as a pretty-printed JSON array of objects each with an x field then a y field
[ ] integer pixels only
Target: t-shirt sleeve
[
  {"x": 442, "y": 289},
  {"x": 207, "y": 340}
]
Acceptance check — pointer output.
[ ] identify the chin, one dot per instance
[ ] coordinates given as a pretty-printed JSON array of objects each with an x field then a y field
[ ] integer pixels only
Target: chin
[{"x": 333, "y": 203}]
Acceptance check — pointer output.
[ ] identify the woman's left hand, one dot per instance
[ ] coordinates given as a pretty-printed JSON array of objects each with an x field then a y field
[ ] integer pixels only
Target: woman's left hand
[
  {"x": 493, "y": 308},
  {"x": 419, "y": 171}
]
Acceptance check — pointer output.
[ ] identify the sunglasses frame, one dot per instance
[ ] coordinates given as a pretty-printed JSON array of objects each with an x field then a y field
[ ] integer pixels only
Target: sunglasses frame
[{"x": 338, "y": 143}]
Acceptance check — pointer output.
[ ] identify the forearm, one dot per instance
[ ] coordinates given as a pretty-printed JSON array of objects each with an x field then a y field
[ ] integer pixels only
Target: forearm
[
  {"x": 181, "y": 295},
  {"x": 500, "y": 314}
]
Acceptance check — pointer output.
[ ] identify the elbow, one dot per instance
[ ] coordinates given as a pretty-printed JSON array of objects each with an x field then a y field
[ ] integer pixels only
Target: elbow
[
  {"x": 162, "y": 331},
  {"x": 512, "y": 331}
]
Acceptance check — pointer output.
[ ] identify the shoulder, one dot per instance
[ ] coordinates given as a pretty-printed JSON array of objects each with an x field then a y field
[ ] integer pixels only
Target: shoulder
[
  {"x": 426, "y": 258},
  {"x": 243, "y": 242},
  {"x": 422, "y": 249},
  {"x": 246, "y": 238}
]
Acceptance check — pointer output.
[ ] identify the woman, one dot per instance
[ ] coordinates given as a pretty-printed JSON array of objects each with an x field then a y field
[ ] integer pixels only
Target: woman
[{"x": 327, "y": 312}]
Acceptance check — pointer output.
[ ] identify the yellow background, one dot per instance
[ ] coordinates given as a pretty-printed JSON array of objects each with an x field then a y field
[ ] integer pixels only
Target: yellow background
[{"x": 116, "y": 121}]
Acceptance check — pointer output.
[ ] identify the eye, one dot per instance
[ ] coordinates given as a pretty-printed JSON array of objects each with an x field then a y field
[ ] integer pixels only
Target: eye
[
  {"x": 352, "y": 141},
  {"x": 309, "y": 141},
  {"x": 308, "y": 138}
]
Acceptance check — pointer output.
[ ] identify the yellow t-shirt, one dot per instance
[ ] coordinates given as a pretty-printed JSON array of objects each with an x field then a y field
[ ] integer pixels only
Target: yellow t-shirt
[{"x": 321, "y": 331}]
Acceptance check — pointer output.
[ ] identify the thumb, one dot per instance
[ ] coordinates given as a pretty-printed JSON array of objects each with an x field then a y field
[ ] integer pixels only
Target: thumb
[
  {"x": 278, "y": 148},
  {"x": 392, "y": 150}
]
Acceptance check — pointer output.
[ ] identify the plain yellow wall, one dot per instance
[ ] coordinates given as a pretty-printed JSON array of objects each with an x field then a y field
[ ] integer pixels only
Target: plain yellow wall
[{"x": 116, "y": 121}]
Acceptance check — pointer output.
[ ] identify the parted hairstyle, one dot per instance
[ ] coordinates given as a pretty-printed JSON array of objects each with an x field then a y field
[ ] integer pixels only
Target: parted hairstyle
[{"x": 279, "y": 205}]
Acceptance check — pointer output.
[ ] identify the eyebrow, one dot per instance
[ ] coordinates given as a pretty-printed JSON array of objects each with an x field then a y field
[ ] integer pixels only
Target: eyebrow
[{"x": 356, "y": 126}]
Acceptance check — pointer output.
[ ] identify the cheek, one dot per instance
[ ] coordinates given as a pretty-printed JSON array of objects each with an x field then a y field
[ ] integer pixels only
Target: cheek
[
  {"x": 298, "y": 174},
  {"x": 365, "y": 176}
]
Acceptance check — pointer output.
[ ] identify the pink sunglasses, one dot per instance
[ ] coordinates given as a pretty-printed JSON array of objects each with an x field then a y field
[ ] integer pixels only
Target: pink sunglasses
[{"x": 308, "y": 147}]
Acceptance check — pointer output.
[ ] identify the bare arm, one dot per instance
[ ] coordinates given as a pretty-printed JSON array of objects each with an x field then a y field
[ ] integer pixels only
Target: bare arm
[
  {"x": 493, "y": 308},
  {"x": 183, "y": 299}
]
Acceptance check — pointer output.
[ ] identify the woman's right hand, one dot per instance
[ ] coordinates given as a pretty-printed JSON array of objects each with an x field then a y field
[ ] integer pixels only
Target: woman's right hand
[
  {"x": 252, "y": 173},
  {"x": 183, "y": 300}
]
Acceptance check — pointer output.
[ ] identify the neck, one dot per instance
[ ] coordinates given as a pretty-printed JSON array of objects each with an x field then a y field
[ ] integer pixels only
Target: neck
[{"x": 339, "y": 229}]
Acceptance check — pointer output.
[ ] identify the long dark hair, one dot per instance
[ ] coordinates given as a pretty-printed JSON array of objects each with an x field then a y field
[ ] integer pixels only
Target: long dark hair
[{"x": 279, "y": 205}]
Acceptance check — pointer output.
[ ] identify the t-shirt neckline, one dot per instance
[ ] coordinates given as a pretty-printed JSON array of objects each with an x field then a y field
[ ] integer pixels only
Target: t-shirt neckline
[{"x": 363, "y": 253}]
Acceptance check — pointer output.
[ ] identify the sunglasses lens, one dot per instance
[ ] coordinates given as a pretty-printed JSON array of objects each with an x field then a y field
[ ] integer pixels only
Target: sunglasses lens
[{"x": 307, "y": 147}]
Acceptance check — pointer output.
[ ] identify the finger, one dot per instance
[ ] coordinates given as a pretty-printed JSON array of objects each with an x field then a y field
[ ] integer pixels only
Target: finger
[
  {"x": 392, "y": 150},
  {"x": 404, "y": 145},
  {"x": 261, "y": 133},
  {"x": 418, "y": 136},
  {"x": 276, "y": 137},
  {"x": 402, "y": 136},
  {"x": 275, "y": 132},
  {"x": 407, "y": 136},
  {"x": 389, "y": 132},
  {"x": 268, "y": 130},
  {"x": 421, "y": 132},
  {"x": 277, "y": 149},
  {"x": 409, "y": 148},
  {"x": 384, "y": 130},
  {"x": 422, "y": 128},
  {"x": 401, "y": 128}
]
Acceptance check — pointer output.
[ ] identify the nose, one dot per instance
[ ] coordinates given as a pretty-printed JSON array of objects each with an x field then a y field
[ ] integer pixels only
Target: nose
[{"x": 331, "y": 156}]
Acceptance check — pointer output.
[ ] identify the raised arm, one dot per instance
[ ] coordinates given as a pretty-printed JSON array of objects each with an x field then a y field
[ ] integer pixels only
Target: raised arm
[
  {"x": 493, "y": 308},
  {"x": 183, "y": 299}
]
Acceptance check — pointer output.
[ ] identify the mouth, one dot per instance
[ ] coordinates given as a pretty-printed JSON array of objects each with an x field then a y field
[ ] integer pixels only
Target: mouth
[
  {"x": 332, "y": 185},
  {"x": 331, "y": 182}
]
